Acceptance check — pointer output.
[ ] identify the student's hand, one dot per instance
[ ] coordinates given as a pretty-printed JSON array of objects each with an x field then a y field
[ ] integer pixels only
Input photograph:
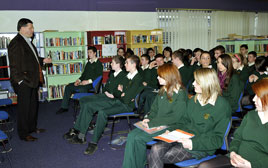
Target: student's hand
[
  {"x": 144, "y": 83},
  {"x": 77, "y": 82},
  {"x": 255, "y": 78},
  {"x": 109, "y": 95},
  {"x": 193, "y": 61},
  {"x": 47, "y": 60},
  {"x": 145, "y": 123},
  {"x": 123, "y": 94},
  {"x": 251, "y": 78},
  {"x": 238, "y": 161},
  {"x": 120, "y": 88},
  {"x": 152, "y": 64},
  {"x": 84, "y": 82},
  {"x": 167, "y": 131},
  {"x": 186, "y": 143}
]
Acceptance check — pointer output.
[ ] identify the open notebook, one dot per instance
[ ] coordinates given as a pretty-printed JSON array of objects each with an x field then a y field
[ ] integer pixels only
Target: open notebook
[
  {"x": 174, "y": 136},
  {"x": 149, "y": 130}
]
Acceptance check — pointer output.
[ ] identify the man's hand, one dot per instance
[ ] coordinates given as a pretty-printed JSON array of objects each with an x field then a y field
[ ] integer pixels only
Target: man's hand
[
  {"x": 109, "y": 95},
  {"x": 152, "y": 64},
  {"x": 145, "y": 123},
  {"x": 120, "y": 88},
  {"x": 47, "y": 60}
]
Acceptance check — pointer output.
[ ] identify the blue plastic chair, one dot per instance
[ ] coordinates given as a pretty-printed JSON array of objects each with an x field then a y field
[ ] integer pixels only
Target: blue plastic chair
[
  {"x": 239, "y": 109},
  {"x": 192, "y": 162},
  {"x": 77, "y": 96},
  {"x": 4, "y": 121},
  {"x": 127, "y": 115},
  {"x": 5, "y": 140}
]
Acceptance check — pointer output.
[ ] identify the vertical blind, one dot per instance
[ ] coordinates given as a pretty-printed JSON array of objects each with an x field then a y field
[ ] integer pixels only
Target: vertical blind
[{"x": 202, "y": 28}]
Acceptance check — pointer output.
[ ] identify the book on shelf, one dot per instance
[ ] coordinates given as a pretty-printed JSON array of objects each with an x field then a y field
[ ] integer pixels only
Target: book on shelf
[
  {"x": 62, "y": 55},
  {"x": 174, "y": 136},
  {"x": 230, "y": 48},
  {"x": 139, "y": 51},
  {"x": 261, "y": 47},
  {"x": 56, "y": 91},
  {"x": 4, "y": 42},
  {"x": 106, "y": 66},
  {"x": 107, "y": 39},
  {"x": 68, "y": 68},
  {"x": 61, "y": 42},
  {"x": 99, "y": 53},
  {"x": 120, "y": 39},
  {"x": 151, "y": 130}
]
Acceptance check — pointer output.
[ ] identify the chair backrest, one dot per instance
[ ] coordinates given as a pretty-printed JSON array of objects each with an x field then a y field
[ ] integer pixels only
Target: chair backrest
[
  {"x": 225, "y": 138},
  {"x": 97, "y": 83},
  {"x": 239, "y": 109},
  {"x": 137, "y": 100}
]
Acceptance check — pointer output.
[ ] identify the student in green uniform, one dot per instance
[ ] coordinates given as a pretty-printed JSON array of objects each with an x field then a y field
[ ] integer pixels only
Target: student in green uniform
[
  {"x": 218, "y": 50},
  {"x": 151, "y": 53},
  {"x": 260, "y": 73},
  {"x": 207, "y": 117},
  {"x": 249, "y": 148},
  {"x": 195, "y": 62},
  {"x": 252, "y": 55},
  {"x": 167, "y": 52},
  {"x": 241, "y": 69},
  {"x": 244, "y": 51},
  {"x": 148, "y": 95},
  {"x": 128, "y": 90},
  {"x": 168, "y": 107},
  {"x": 185, "y": 71},
  {"x": 230, "y": 83},
  {"x": 89, "y": 103},
  {"x": 92, "y": 70}
]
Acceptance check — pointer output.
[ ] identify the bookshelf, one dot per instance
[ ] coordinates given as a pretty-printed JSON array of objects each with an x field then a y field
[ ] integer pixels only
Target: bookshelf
[
  {"x": 260, "y": 46},
  {"x": 5, "y": 39},
  {"x": 68, "y": 52},
  {"x": 140, "y": 40},
  {"x": 107, "y": 43}
]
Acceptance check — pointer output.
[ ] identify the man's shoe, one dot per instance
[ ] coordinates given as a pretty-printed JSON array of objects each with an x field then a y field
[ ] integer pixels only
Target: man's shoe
[
  {"x": 76, "y": 140},
  {"x": 91, "y": 149},
  {"x": 39, "y": 130},
  {"x": 70, "y": 135},
  {"x": 29, "y": 138},
  {"x": 61, "y": 110}
]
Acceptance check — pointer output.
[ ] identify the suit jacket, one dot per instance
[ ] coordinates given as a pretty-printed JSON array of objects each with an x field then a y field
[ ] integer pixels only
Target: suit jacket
[{"x": 23, "y": 63}]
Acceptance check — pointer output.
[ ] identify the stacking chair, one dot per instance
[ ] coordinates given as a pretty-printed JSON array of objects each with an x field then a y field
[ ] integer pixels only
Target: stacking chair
[
  {"x": 4, "y": 140},
  {"x": 77, "y": 96},
  {"x": 5, "y": 123},
  {"x": 127, "y": 115}
]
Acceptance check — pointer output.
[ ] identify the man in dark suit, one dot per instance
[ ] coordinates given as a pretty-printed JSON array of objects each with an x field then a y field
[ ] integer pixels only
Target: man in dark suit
[{"x": 26, "y": 76}]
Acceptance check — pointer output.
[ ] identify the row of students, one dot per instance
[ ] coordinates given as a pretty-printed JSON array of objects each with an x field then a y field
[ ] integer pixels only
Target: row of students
[{"x": 118, "y": 97}]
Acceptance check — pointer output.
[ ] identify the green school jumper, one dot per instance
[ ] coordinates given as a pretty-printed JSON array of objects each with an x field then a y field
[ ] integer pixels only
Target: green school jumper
[
  {"x": 208, "y": 123},
  {"x": 244, "y": 74},
  {"x": 186, "y": 74},
  {"x": 88, "y": 103},
  {"x": 163, "y": 112},
  {"x": 233, "y": 91},
  {"x": 249, "y": 85},
  {"x": 131, "y": 87},
  {"x": 91, "y": 71},
  {"x": 251, "y": 140}
]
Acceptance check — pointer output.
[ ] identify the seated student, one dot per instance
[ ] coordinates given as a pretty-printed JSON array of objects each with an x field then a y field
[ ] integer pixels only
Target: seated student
[
  {"x": 121, "y": 52},
  {"x": 92, "y": 70},
  {"x": 244, "y": 51},
  {"x": 252, "y": 55},
  {"x": 168, "y": 107},
  {"x": 151, "y": 53},
  {"x": 207, "y": 117},
  {"x": 205, "y": 61},
  {"x": 240, "y": 68},
  {"x": 218, "y": 50},
  {"x": 148, "y": 95},
  {"x": 229, "y": 81},
  {"x": 124, "y": 102},
  {"x": 167, "y": 52},
  {"x": 88, "y": 103},
  {"x": 128, "y": 53},
  {"x": 260, "y": 73},
  {"x": 196, "y": 58},
  {"x": 189, "y": 54},
  {"x": 249, "y": 147},
  {"x": 185, "y": 71}
]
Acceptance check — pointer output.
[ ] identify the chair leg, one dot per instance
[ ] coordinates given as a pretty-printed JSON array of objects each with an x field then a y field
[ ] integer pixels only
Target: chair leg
[
  {"x": 129, "y": 124},
  {"x": 112, "y": 131},
  {"x": 4, "y": 146}
]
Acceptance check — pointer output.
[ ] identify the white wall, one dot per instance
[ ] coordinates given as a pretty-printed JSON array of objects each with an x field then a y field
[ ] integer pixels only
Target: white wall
[{"x": 79, "y": 20}]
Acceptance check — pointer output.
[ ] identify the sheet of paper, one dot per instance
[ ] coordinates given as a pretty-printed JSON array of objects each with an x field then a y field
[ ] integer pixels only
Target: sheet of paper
[{"x": 109, "y": 50}]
